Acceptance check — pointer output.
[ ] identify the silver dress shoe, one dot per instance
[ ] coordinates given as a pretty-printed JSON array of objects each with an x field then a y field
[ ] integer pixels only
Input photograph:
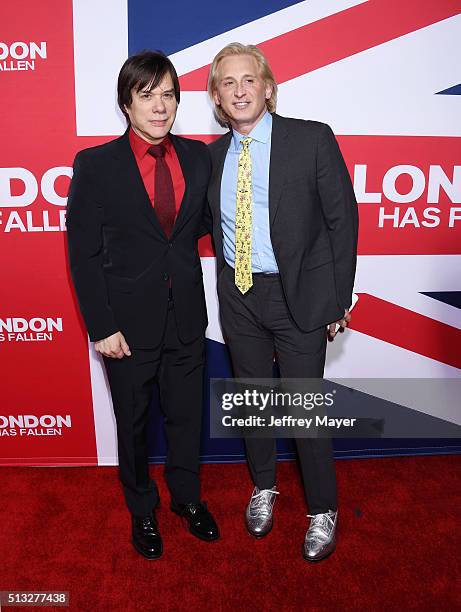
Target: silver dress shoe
[
  {"x": 320, "y": 540},
  {"x": 258, "y": 515}
]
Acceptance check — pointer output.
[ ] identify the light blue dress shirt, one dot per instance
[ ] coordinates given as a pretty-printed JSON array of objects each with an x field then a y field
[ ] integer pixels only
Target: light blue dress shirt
[{"x": 262, "y": 256}]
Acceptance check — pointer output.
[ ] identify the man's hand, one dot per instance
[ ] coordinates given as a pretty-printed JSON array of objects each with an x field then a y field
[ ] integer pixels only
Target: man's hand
[
  {"x": 332, "y": 328},
  {"x": 114, "y": 346}
]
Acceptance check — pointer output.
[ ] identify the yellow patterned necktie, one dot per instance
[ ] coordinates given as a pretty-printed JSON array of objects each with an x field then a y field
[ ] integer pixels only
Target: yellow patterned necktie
[{"x": 243, "y": 277}]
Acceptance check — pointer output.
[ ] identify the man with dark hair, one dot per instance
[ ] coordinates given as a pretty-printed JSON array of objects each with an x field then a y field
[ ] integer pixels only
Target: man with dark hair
[
  {"x": 285, "y": 230},
  {"x": 135, "y": 212}
]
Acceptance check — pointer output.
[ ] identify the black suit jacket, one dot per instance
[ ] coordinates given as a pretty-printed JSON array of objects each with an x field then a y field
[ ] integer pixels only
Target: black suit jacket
[
  {"x": 120, "y": 258},
  {"x": 313, "y": 218}
]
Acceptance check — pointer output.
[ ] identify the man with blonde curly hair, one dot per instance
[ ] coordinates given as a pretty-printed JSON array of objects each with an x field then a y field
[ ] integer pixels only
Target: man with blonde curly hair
[{"x": 285, "y": 231}]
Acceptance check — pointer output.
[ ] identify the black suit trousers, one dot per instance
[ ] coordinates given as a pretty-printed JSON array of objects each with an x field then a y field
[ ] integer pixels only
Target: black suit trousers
[
  {"x": 178, "y": 370},
  {"x": 257, "y": 325}
]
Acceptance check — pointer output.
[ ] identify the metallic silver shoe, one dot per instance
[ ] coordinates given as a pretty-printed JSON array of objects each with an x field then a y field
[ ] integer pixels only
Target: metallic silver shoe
[
  {"x": 258, "y": 515},
  {"x": 320, "y": 540}
]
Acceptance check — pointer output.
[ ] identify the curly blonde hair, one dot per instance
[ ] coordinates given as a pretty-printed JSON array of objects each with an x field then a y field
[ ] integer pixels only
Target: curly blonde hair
[{"x": 265, "y": 72}]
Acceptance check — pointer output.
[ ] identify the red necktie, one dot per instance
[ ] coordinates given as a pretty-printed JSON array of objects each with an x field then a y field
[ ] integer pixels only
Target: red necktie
[{"x": 164, "y": 201}]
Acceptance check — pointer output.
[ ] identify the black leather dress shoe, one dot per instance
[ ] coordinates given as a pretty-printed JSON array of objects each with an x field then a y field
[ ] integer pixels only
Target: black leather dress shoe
[
  {"x": 201, "y": 522},
  {"x": 146, "y": 536}
]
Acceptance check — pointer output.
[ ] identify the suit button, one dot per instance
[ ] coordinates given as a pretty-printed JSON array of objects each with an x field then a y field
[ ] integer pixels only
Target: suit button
[{"x": 165, "y": 276}]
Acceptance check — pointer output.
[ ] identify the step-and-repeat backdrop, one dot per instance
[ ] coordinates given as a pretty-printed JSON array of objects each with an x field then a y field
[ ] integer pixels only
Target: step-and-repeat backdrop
[{"x": 384, "y": 74}]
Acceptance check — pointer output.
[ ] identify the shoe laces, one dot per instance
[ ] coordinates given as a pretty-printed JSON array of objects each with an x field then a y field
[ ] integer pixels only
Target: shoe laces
[
  {"x": 262, "y": 502},
  {"x": 148, "y": 524},
  {"x": 321, "y": 524},
  {"x": 197, "y": 508}
]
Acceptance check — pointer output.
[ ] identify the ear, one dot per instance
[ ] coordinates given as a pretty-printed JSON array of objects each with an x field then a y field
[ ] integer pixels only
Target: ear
[
  {"x": 268, "y": 90},
  {"x": 216, "y": 98}
]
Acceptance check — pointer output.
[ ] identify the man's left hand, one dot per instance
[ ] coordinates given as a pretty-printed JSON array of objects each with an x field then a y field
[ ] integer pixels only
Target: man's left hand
[{"x": 332, "y": 331}]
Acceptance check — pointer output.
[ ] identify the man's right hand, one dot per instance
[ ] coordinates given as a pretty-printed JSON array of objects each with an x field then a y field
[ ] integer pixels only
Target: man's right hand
[{"x": 114, "y": 346}]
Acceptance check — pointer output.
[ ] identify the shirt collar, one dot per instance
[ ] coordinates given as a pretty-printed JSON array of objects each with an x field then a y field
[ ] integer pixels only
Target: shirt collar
[
  {"x": 261, "y": 132},
  {"x": 140, "y": 146}
]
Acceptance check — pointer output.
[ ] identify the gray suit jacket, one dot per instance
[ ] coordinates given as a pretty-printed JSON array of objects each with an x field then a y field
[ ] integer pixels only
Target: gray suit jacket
[{"x": 313, "y": 218}]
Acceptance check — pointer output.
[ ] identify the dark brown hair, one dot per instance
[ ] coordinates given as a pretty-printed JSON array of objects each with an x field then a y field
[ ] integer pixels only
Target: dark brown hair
[{"x": 147, "y": 68}]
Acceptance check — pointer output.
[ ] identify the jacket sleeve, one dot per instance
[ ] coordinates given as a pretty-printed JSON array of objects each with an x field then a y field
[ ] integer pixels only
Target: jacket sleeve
[
  {"x": 85, "y": 248},
  {"x": 340, "y": 211}
]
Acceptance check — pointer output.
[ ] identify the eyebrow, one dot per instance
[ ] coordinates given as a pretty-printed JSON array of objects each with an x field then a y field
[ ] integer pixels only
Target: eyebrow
[
  {"x": 244, "y": 76},
  {"x": 163, "y": 92}
]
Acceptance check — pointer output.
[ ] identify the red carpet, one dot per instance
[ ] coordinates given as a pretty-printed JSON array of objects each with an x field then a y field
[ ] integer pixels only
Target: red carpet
[{"x": 399, "y": 547}]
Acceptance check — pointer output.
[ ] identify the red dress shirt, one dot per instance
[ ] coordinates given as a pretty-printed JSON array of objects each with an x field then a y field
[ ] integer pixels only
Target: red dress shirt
[{"x": 146, "y": 164}]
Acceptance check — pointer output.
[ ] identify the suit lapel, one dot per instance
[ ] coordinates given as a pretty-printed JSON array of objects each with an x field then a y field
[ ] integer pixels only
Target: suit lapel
[
  {"x": 129, "y": 173},
  {"x": 278, "y": 161},
  {"x": 185, "y": 162}
]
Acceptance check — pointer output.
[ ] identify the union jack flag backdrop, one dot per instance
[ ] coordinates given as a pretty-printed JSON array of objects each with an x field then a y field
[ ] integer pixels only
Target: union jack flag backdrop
[{"x": 384, "y": 74}]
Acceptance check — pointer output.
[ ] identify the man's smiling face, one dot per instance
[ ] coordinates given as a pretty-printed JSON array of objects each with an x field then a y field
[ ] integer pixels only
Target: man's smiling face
[{"x": 241, "y": 92}]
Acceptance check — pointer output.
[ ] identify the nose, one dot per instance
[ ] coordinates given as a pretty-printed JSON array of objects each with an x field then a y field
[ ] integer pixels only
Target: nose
[
  {"x": 158, "y": 104},
  {"x": 239, "y": 90}
]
